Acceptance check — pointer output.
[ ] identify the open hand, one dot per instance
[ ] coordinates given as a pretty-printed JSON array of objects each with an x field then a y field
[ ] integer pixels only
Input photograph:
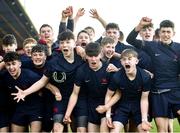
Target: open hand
[{"x": 20, "y": 95}]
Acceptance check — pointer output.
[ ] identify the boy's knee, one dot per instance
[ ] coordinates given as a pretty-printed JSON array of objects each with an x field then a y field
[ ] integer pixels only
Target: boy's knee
[
  {"x": 161, "y": 128},
  {"x": 57, "y": 128}
]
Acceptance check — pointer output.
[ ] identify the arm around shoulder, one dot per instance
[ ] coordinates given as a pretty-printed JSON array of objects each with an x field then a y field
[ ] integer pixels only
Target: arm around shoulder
[{"x": 20, "y": 95}]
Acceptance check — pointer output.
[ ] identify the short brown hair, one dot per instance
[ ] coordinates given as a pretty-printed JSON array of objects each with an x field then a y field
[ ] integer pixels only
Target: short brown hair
[
  {"x": 107, "y": 40},
  {"x": 9, "y": 39},
  {"x": 93, "y": 49},
  {"x": 129, "y": 52},
  {"x": 29, "y": 40},
  {"x": 44, "y": 25}
]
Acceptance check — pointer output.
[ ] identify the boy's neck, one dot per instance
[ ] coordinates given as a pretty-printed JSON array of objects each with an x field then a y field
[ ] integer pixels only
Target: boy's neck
[
  {"x": 132, "y": 75},
  {"x": 16, "y": 76},
  {"x": 70, "y": 58},
  {"x": 105, "y": 59},
  {"x": 39, "y": 66},
  {"x": 99, "y": 66}
]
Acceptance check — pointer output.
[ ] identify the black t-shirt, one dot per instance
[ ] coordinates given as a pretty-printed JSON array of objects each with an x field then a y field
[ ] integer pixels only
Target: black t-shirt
[{"x": 131, "y": 89}]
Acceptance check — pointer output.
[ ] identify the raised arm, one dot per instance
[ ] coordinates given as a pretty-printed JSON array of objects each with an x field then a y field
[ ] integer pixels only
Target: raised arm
[
  {"x": 79, "y": 14},
  {"x": 49, "y": 44},
  {"x": 62, "y": 25},
  {"x": 70, "y": 22},
  {"x": 131, "y": 38},
  {"x": 95, "y": 15}
]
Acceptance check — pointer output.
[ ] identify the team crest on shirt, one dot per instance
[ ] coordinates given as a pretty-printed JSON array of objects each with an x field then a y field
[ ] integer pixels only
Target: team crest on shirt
[
  {"x": 104, "y": 81},
  {"x": 59, "y": 77}
]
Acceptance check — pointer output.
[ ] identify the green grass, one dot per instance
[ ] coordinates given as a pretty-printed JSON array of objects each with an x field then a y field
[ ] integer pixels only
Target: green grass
[{"x": 176, "y": 126}]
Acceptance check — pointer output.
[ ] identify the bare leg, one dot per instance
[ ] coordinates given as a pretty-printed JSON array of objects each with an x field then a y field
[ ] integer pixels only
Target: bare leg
[
  {"x": 103, "y": 127},
  {"x": 161, "y": 124},
  {"x": 17, "y": 128},
  {"x": 170, "y": 126},
  {"x": 4, "y": 129},
  {"x": 81, "y": 130},
  {"x": 118, "y": 127},
  {"x": 35, "y": 126},
  {"x": 58, "y": 127},
  {"x": 93, "y": 127}
]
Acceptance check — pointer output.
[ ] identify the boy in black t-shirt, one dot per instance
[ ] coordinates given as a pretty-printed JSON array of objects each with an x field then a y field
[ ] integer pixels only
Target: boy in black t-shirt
[{"x": 132, "y": 85}]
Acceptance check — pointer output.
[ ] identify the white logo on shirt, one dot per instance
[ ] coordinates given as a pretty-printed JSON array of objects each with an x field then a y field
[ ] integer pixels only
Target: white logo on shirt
[
  {"x": 87, "y": 81},
  {"x": 59, "y": 77},
  {"x": 157, "y": 54}
]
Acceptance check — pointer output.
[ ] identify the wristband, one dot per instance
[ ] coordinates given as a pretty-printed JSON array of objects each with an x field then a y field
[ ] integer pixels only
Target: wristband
[
  {"x": 108, "y": 115},
  {"x": 144, "y": 120}
]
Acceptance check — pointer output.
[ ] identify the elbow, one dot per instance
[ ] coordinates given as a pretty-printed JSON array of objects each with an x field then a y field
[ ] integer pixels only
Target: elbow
[{"x": 127, "y": 39}]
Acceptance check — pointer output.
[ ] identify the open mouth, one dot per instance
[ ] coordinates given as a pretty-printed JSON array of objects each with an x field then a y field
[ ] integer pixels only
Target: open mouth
[
  {"x": 127, "y": 66},
  {"x": 93, "y": 63},
  {"x": 83, "y": 44},
  {"x": 12, "y": 72},
  {"x": 109, "y": 53},
  {"x": 65, "y": 50},
  {"x": 47, "y": 37},
  {"x": 38, "y": 61},
  {"x": 147, "y": 36}
]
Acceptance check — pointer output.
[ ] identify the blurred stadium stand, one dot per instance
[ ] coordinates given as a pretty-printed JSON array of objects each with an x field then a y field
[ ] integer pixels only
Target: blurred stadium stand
[{"x": 14, "y": 20}]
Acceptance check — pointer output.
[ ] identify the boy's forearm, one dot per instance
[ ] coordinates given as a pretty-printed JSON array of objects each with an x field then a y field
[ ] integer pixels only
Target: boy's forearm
[
  {"x": 70, "y": 24},
  {"x": 36, "y": 86},
  {"x": 102, "y": 21},
  {"x": 52, "y": 88},
  {"x": 71, "y": 104},
  {"x": 113, "y": 100},
  {"x": 144, "y": 106}
]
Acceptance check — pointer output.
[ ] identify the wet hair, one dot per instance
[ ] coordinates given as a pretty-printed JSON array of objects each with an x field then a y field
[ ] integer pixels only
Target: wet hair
[
  {"x": 9, "y": 39},
  {"x": 112, "y": 26},
  {"x": 89, "y": 27},
  {"x": 167, "y": 23},
  {"x": 40, "y": 48},
  {"x": 66, "y": 35},
  {"x": 44, "y": 25},
  {"x": 29, "y": 40},
  {"x": 128, "y": 53},
  {"x": 107, "y": 40},
  {"x": 11, "y": 56},
  {"x": 93, "y": 49}
]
